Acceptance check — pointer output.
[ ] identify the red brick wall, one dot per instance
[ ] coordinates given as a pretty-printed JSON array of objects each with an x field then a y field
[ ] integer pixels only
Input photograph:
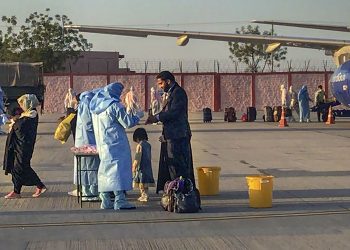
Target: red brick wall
[{"x": 213, "y": 90}]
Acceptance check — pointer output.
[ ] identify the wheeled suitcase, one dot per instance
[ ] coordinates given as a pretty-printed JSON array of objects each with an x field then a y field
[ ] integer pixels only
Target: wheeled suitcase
[
  {"x": 277, "y": 112},
  {"x": 207, "y": 116},
  {"x": 288, "y": 112},
  {"x": 268, "y": 114},
  {"x": 251, "y": 114}
]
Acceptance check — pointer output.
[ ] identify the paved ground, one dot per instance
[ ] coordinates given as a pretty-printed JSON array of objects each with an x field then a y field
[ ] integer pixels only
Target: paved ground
[{"x": 310, "y": 210}]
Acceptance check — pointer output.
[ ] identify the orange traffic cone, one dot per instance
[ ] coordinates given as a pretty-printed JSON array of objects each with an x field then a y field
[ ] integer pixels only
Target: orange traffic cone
[
  {"x": 283, "y": 121},
  {"x": 330, "y": 119}
]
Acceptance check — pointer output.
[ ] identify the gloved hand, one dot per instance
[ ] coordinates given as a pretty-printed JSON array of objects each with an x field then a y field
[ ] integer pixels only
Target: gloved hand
[{"x": 151, "y": 119}]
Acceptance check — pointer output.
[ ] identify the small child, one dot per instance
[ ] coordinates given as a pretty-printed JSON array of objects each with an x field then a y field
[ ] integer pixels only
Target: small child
[{"x": 142, "y": 165}]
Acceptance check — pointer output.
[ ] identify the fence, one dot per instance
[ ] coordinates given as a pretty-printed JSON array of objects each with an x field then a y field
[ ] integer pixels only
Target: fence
[{"x": 213, "y": 90}]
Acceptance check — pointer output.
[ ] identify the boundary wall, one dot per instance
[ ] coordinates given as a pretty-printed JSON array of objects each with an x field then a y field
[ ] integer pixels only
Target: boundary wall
[{"x": 213, "y": 90}]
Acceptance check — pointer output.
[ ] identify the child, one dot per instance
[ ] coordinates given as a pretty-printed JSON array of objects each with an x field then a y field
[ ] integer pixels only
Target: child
[{"x": 142, "y": 166}]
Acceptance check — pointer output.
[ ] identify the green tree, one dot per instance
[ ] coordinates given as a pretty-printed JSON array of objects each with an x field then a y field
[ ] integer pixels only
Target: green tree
[
  {"x": 41, "y": 38},
  {"x": 254, "y": 55}
]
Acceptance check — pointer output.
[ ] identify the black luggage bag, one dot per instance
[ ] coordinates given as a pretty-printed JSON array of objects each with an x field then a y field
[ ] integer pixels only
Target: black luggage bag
[
  {"x": 268, "y": 114},
  {"x": 277, "y": 112},
  {"x": 251, "y": 114},
  {"x": 207, "y": 116},
  {"x": 230, "y": 115}
]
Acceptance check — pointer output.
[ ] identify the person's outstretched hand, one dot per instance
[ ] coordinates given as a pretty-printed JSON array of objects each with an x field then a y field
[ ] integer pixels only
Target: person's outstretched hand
[{"x": 151, "y": 119}]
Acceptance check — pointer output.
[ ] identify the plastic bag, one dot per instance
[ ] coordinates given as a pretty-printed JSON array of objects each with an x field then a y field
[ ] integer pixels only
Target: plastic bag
[{"x": 63, "y": 129}]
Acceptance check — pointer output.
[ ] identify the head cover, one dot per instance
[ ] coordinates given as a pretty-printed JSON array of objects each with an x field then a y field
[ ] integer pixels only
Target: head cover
[
  {"x": 105, "y": 97},
  {"x": 28, "y": 102}
]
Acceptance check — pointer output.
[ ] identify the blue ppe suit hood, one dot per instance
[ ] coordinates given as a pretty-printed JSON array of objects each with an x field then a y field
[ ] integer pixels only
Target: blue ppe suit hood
[{"x": 105, "y": 97}]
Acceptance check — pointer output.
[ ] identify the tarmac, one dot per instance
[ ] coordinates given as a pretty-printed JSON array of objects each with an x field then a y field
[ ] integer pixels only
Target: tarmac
[{"x": 311, "y": 196}]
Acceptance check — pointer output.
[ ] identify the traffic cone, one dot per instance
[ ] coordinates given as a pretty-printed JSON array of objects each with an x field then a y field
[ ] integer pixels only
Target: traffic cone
[
  {"x": 330, "y": 119},
  {"x": 283, "y": 121}
]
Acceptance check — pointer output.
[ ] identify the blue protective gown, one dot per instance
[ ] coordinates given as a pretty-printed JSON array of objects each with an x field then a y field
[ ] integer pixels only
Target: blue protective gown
[
  {"x": 303, "y": 99},
  {"x": 85, "y": 135},
  {"x": 110, "y": 120}
]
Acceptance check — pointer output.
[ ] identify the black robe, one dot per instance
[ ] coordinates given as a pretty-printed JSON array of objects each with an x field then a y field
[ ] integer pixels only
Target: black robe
[
  {"x": 176, "y": 153},
  {"x": 19, "y": 151},
  {"x": 180, "y": 163}
]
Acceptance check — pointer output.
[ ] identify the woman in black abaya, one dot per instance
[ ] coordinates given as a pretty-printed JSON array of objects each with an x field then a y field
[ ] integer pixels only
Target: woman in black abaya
[{"x": 20, "y": 146}]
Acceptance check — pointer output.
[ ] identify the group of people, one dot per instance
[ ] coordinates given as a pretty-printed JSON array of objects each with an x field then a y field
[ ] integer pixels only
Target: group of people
[
  {"x": 299, "y": 102},
  {"x": 102, "y": 120}
]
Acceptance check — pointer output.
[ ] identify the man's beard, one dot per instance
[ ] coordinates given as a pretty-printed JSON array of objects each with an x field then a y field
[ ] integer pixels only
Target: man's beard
[{"x": 166, "y": 88}]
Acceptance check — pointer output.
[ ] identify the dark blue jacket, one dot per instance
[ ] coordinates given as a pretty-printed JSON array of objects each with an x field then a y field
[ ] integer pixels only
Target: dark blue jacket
[{"x": 174, "y": 115}]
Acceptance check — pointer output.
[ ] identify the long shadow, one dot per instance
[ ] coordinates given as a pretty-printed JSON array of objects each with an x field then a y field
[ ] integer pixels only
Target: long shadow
[
  {"x": 301, "y": 173},
  {"x": 276, "y": 129},
  {"x": 213, "y": 209},
  {"x": 48, "y": 183},
  {"x": 285, "y": 194},
  {"x": 243, "y": 130}
]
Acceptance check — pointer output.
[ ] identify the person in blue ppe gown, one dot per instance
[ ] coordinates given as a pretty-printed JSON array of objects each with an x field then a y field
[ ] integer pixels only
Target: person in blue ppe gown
[
  {"x": 304, "y": 108},
  {"x": 110, "y": 119},
  {"x": 84, "y": 135}
]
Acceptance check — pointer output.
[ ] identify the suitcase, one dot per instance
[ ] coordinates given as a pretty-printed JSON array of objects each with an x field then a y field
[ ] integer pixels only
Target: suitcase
[
  {"x": 251, "y": 114},
  {"x": 277, "y": 112},
  {"x": 288, "y": 112},
  {"x": 268, "y": 114},
  {"x": 230, "y": 115},
  {"x": 207, "y": 116}
]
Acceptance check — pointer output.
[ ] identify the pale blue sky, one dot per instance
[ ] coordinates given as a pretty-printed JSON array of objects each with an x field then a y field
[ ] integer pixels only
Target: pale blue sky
[{"x": 146, "y": 12}]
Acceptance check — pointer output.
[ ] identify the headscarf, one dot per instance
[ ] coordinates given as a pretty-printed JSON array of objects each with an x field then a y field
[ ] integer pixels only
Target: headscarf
[
  {"x": 28, "y": 103},
  {"x": 106, "y": 97}
]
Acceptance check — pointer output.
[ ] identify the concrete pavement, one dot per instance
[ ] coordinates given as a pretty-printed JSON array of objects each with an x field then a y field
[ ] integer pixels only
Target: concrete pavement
[{"x": 310, "y": 206}]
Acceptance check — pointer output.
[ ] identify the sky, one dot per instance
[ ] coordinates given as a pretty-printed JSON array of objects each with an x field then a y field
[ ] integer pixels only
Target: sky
[{"x": 197, "y": 15}]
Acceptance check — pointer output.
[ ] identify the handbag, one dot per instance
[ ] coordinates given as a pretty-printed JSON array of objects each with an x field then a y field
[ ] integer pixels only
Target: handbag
[{"x": 180, "y": 196}]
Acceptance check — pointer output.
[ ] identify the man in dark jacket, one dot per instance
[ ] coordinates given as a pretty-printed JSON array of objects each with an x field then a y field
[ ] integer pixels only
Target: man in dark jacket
[{"x": 176, "y": 154}]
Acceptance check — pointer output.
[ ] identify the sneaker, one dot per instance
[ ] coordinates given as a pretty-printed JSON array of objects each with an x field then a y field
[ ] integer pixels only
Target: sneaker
[
  {"x": 12, "y": 195},
  {"x": 39, "y": 191},
  {"x": 73, "y": 193}
]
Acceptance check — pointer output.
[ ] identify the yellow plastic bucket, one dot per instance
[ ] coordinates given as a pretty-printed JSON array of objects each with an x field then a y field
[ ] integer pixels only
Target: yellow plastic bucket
[
  {"x": 260, "y": 191},
  {"x": 208, "y": 180}
]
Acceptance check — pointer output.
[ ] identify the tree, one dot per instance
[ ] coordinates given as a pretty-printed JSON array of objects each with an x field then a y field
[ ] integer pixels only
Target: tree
[
  {"x": 42, "y": 38},
  {"x": 254, "y": 55}
]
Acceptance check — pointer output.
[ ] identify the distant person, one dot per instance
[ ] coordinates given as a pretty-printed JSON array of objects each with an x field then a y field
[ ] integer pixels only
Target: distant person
[
  {"x": 70, "y": 102},
  {"x": 142, "y": 165},
  {"x": 283, "y": 95},
  {"x": 176, "y": 153},
  {"x": 293, "y": 103},
  {"x": 304, "y": 99},
  {"x": 155, "y": 105},
  {"x": 110, "y": 119},
  {"x": 319, "y": 100},
  {"x": 84, "y": 135},
  {"x": 20, "y": 147}
]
